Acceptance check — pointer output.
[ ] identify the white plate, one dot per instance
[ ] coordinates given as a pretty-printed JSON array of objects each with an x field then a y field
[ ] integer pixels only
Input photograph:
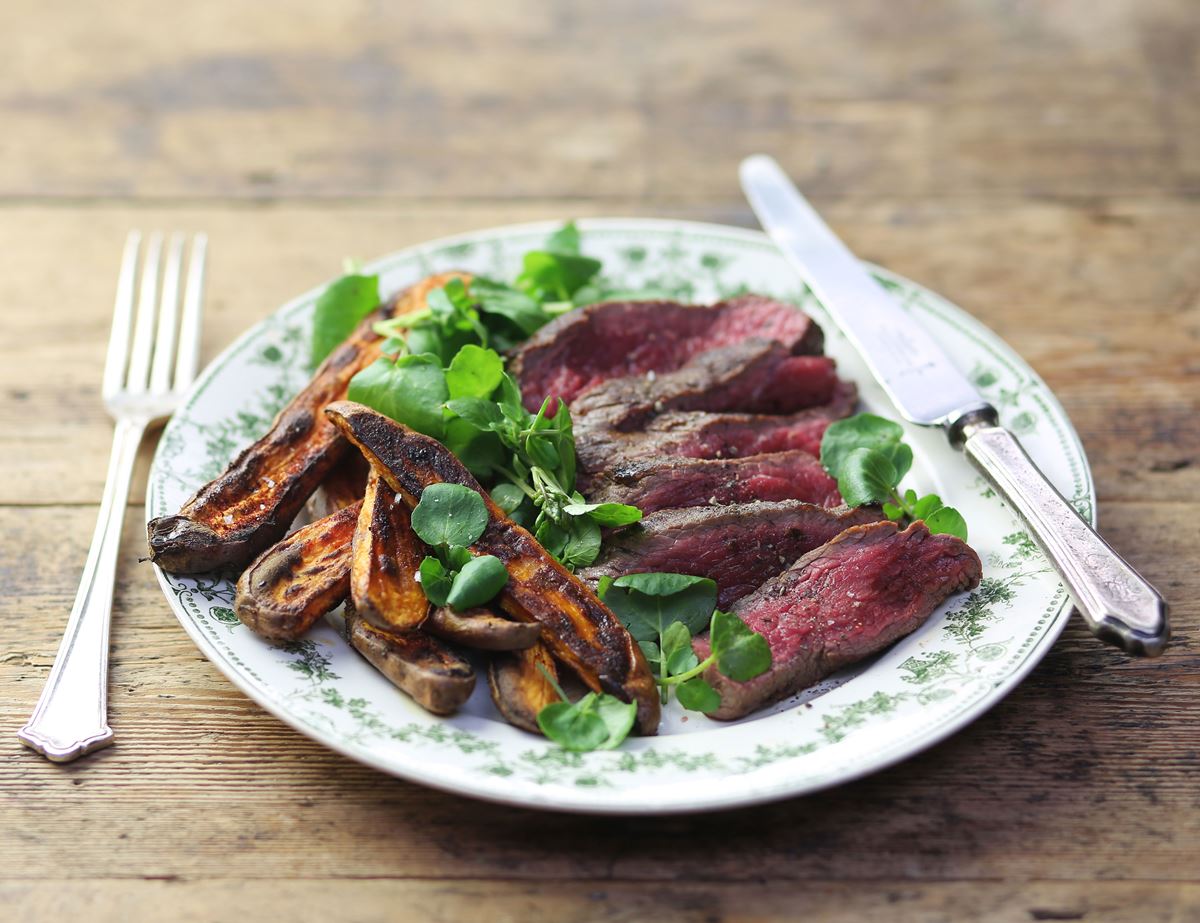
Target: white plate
[{"x": 960, "y": 663}]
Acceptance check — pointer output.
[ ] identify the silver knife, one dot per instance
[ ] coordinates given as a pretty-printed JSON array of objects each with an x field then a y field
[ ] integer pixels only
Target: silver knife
[{"x": 1117, "y": 603}]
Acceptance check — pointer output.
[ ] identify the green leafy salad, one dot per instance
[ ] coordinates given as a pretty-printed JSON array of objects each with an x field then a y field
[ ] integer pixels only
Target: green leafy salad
[{"x": 442, "y": 373}]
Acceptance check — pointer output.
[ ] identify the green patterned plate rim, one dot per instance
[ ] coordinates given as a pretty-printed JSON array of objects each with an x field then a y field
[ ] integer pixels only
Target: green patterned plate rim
[{"x": 969, "y": 654}]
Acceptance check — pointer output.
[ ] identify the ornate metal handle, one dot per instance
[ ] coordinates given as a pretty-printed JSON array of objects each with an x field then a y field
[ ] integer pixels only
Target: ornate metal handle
[
  {"x": 71, "y": 715},
  {"x": 1117, "y": 603}
]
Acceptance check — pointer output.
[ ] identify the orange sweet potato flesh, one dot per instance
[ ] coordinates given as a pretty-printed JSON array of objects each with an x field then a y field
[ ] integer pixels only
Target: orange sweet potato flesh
[
  {"x": 577, "y": 627},
  {"x": 296, "y": 581},
  {"x": 384, "y": 562},
  {"x": 252, "y": 504}
]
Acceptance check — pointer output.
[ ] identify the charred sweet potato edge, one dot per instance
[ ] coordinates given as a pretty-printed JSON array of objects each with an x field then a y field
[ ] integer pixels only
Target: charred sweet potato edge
[
  {"x": 253, "y": 502},
  {"x": 296, "y": 581}
]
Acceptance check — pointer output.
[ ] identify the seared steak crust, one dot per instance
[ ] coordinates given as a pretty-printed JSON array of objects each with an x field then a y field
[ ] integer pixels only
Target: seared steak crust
[
  {"x": 615, "y": 339},
  {"x": 669, "y": 482},
  {"x": 755, "y": 376},
  {"x": 844, "y": 601},
  {"x": 739, "y": 546},
  {"x": 707, "y": 435}
]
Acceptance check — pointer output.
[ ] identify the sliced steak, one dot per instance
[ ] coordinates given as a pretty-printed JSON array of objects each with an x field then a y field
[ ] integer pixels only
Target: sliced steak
[
  {"x": 739, "y": 546},
  {"x": 615, "y": 339},
  {"x": 755, "y": 376},
  {"x": 708, "y": 435},
  {"x": 670, "y": 483},
  {"x": 844, "y": 601}
]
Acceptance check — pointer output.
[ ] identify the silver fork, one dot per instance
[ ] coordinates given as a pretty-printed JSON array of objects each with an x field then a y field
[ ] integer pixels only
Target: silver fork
[{"x": 143, "y": 383}]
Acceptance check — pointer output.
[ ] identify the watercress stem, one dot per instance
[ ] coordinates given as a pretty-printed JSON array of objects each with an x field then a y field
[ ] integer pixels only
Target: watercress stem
[{"x": 693, "y": 672}]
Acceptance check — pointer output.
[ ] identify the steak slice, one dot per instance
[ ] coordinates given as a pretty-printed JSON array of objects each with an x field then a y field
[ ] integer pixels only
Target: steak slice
[
  {"x": 670, "y": 483},
  {"x": 739, "y": 546},
  {"x": 844, "y": 601},
  {"x": 708, "y": 435},
  {"x": 755, "y": 375},
  {"x": 615, "y": 339}
]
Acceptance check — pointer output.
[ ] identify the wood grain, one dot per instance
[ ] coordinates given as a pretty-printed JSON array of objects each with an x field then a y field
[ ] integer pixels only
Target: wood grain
[
  {"x": 438, "y": 901},
  {"x": 1038, "y": 164}
]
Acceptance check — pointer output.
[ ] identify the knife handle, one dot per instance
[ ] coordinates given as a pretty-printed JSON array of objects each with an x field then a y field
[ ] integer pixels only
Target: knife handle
[{"x": 1117, "y": 603}]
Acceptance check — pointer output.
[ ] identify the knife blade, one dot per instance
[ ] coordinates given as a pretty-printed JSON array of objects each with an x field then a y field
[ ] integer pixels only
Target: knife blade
[{"x": 1117, "y": 603}]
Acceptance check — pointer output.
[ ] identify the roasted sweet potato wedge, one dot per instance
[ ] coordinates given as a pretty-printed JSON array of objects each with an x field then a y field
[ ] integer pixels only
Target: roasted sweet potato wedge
[
  {"x": 296, "y": 581},
  {"x": 253, "y": 503},
  {"x": 385, "y": 559},
  {"x": 519, "y": 688},
  {"x": 482, "y": 629},
  {"x": 578, "y": 629},
  {"x": 438, "y": 678}
]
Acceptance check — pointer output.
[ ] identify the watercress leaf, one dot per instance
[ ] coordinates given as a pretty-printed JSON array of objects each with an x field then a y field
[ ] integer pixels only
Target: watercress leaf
[
  {"x": 479, "y": 580},
  {"x": 481, "y": 452},
  {"x": 605, "y": 514},
  {"x": 394, "y": 346},
  {"x": 618, "y": 718},
  {"x": 677, "y": 649},
  {"x": 508, "y": 496},
  {"x": 742, "y": 653},
  {"x": 499, "y": 300},
  {"x": 566, "y": 446},
  {"x": 457, "y": 557},
  {"x": 524, "y": 515},
  {"x": 549, "y": 276},
  {"x": 410, "y": 390},
  {"x": 564, "y": 240},
  {"x": 474, "y": 372},
  {"x": 653, "y": 654},
  {"x": 435, "y": 580},
  {"x": 551, "y": 536},
  {"x": 572, "y": 726},
  {"x": 698, "y": 695},
  {"x": 541, "y": 452},
  {"x": 925, "y": 507},
  {"x": 861, "y": 431},
  {"x": 910, "y": 496},
  {"x": 867, "y": 476},
  {"x": 480, "y": 412},
  {"x": 901, "y": 457},
  {"x": 449, "y": 514},
  {"x": 582, "y": 544},
  {"x": 428, "y": 340},
  {"x": 456, "y": 291},
  {"x": 892, "y": 512},
  {"x": 339, "y": 310},
  {"x": 947, "y": 521},
  {"x": 648, "y": 603},
  {"x": 664, "y": 584},
  {"x": 510, "y": 402}
]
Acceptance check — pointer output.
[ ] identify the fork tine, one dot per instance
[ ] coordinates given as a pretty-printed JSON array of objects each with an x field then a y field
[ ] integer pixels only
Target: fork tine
[
  {"x": 143, "y": 327},
  {"x": 168, "y": 317},
  {"x": 118, "y": 340},
  {"x": 189, "y": 328}
]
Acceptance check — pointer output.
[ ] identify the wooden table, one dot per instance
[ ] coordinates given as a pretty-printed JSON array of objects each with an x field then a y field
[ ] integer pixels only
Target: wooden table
[{"x": 1036, "y": 163}]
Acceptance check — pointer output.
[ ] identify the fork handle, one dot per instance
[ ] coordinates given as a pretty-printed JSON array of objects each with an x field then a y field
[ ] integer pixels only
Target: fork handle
[{"x": 71, "y": 716}]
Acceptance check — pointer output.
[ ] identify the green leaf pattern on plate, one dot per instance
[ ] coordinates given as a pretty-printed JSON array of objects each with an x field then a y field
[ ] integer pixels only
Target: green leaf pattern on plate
[{"x": 969, "y": 648}]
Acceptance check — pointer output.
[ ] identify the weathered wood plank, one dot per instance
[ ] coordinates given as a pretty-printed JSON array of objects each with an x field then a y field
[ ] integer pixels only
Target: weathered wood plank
[
  {"x": 365, "y": 901},
  {"x": 1092, "y": 760},
  {"x": 601, "y": 100}
]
